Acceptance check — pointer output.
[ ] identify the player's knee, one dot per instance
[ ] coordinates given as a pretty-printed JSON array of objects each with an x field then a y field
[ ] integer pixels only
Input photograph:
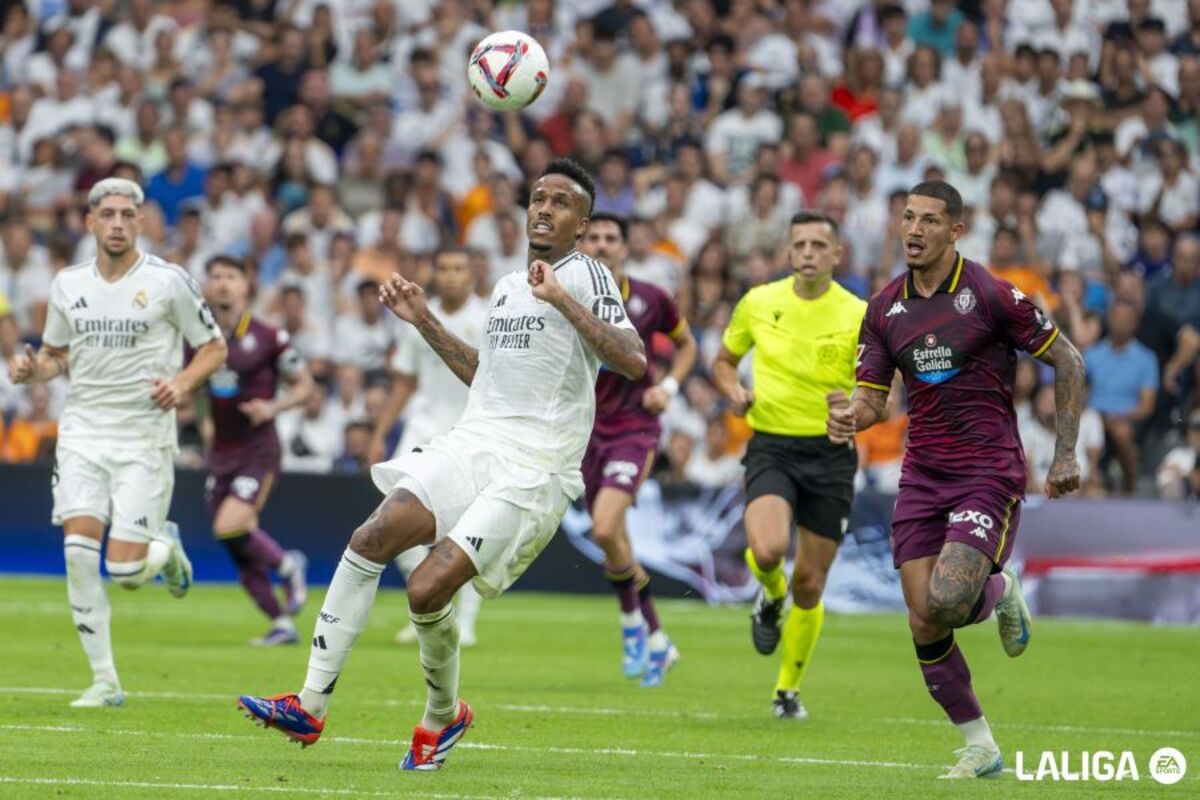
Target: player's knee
[
  {"x": 768, "y": 553},
  {"x": 807, "y": 587},
  {"x": 238, "y": 547},
  {"x": 924, "y": 629},
  {"x": 130, "y": 574},
  {"x": 425, "y": 594},
  {"x": 371, "y": 540},
  {"x": 947, "y": 609},
  {"x": 606, "y": 532}
]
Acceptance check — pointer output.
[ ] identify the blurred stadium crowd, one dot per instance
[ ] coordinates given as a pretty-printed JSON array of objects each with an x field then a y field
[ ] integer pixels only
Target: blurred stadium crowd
[{"x": 331, "y": 143}]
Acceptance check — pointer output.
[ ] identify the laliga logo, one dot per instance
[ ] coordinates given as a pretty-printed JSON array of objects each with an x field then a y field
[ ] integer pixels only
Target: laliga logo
[{"x": 1167, "y": 766}]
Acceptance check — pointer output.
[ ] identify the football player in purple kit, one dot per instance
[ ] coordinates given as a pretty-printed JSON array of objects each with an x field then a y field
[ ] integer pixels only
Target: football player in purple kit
[
  {"x": 953, "y": 331},
  {"x": 244, "y": 451},
  {"x": 622, "y": 448}
]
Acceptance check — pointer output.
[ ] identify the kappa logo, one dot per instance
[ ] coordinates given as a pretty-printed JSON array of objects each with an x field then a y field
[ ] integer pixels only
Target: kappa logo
[
  {"x": 1018, "y": 295},
  {"x": 979, "y": 533},
  {"x": 858, "y": 354},
  {"x": 897, "y": 308},
  {"x": 623, "y": 472},
  {"x": 249, "y": 342},
  {"x": 637, "y": 305}
]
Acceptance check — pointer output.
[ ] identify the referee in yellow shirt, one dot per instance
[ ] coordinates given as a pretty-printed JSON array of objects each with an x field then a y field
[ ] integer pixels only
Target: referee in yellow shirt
[{"x": 804, "y": 332}]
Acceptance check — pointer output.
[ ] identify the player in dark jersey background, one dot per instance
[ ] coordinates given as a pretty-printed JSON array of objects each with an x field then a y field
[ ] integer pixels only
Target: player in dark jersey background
[
  {"x": 244, "y": 451},
  {"x": 953, "y": 330},
  {"x": 621, "y": 450}
]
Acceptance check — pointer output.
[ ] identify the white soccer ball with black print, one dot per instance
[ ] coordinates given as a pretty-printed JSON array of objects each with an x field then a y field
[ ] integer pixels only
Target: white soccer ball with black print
[{"x": 508, "y": 70}]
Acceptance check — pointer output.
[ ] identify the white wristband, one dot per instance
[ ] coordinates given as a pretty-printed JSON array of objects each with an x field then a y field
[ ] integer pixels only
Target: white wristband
[{"x": 669, "y": 385}]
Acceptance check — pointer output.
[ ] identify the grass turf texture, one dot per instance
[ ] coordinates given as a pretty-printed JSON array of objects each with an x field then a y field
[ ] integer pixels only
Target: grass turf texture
[{"x": 554, "y": 717}]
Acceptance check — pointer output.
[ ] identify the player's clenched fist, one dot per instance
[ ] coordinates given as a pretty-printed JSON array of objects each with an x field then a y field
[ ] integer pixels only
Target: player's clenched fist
[
  {"x": 403, "y": 298},
  {"x": 544, "y": 282},
  {"x": 1062, "y": 477},
  {"x": 22, "y": 366},
  {"x": 741, "y": 400},
  {"x": 840, "y": 423}
]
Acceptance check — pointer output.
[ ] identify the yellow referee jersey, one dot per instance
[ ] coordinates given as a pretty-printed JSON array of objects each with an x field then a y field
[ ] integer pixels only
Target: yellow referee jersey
[{"x": 803, "y": 349}]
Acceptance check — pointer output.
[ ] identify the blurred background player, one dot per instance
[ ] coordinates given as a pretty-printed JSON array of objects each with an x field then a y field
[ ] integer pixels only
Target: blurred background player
[
  {"x": 244, "y": 452},
  {"x": 434, "y": 397},
  {"x": 491, "y": 493},
  {"x": 621, "y": 451},
  {"x": 116, "y": 326},
  {"x": 953, "y": 330},
  {"x": 803, "y": 329}
]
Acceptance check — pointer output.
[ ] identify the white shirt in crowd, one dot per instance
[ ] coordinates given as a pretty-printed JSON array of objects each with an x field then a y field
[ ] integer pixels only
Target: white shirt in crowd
[
  {"x": 441, "y": 397},
  {"x": 1039, "y": 444}
]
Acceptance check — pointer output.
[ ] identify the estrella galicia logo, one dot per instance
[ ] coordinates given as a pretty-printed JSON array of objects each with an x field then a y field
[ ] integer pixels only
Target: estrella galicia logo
[
  {"x": 223, "y": 383},
  {"x": 932, "y": 361},
  {"x": 609, "y": 309}
]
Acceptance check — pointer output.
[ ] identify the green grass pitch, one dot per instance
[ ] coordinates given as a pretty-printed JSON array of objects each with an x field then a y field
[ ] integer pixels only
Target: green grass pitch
[{"x": 554, "y": 717}]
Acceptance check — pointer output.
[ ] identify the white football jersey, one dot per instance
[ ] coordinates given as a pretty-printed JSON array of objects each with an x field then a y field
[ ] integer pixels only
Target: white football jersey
[
  {"x": 533, "y": 399},
  {"x": 121, "y": 335},
  {"x": 440, "y": 397}
]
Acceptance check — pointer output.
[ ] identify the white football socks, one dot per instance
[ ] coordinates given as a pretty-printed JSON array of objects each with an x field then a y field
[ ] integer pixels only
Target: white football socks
[
  {"x": 90, "y": 610},
  {"x": 977, "y": 732},
  {"x": 342, "y": 618},
  {"x": 469, "y": 601},
  {"x": 410, "y": 559},
  {"x": 437, "y": 634}
]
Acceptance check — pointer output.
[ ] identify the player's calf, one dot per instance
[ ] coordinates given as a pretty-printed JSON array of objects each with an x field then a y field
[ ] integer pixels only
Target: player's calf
[{"x": 958, "y": 578}]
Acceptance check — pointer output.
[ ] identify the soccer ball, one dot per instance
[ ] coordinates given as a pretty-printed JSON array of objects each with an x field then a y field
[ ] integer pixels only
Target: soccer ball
[{"x": 508, "y": 70}]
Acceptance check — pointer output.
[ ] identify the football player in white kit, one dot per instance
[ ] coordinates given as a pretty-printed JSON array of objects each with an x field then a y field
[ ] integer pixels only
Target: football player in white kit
[
  {"x": 489, "y": 494},
  {"x": 435, "y": 398},
  {"x": 115, "y": 327}
]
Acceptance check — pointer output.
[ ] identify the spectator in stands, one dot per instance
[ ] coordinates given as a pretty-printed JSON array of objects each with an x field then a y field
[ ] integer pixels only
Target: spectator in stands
[
  {"x": 1037, "y": 437},
  {"x": 711, "y": 466},
  {"x": 25, "y": 275},
  {"x": 1123, "y": 373},
  {"x": 1179, "y": 474},
  {"x": 353, "y": 459},
  {"x": 734, "y": 136},
  {"x": 32, "y": 434},
  {"x": 362, "y": 335}
]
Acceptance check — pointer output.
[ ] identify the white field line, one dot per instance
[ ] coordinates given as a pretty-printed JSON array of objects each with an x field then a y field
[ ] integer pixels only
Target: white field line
[
  {"x": 603, "y": 751},
  {"x": 230, "y": 787},
  {"x": 521, "y": 708},
  {"x": 1021, "y": 726}
]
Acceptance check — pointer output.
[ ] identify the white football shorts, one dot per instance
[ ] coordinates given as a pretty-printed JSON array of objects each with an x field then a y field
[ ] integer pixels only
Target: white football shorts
[
  {"x": 500, "y": 514},
  {"x": 127, "y": 489}
]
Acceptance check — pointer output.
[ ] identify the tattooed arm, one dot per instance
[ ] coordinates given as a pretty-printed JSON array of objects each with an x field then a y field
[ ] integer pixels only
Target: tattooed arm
[
  {"x": 848, "y": 417},
  {"x": 406, "y": 300},
  {"x": 1069, "y": 387},
  {"x": 620, "y": 349},
  {"x": 460, "y": 357}
]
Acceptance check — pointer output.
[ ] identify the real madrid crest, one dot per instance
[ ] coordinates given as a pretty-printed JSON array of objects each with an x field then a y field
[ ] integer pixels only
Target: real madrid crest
[
  {"x": 141, "y": 300},
  {"x": 964, "y": 301}
]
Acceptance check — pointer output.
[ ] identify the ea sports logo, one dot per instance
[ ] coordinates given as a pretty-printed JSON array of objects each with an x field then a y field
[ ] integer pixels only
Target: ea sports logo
[{"x": 1167, "y": 765}]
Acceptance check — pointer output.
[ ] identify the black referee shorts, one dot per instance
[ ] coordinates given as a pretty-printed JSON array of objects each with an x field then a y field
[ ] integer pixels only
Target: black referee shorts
[{"x": 814, "y": 475}]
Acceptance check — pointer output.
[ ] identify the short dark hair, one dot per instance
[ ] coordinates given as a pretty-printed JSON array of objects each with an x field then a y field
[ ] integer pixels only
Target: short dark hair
[
  {"x": 223, "y": 260},
  {"x": 940, "y": 190},
  {"x": 809, "y": 217},
  {"x": 453, "y": 250},
  {"x": 573, "y": 170},
  {"x": 616, "y": 219}
]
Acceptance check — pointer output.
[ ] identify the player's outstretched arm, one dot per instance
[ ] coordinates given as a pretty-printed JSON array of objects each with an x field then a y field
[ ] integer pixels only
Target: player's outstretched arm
[
  {"x": 1069, "y": 388},
  {"x": 406, "y": 300},
  {"x": 848, "y": 416},
  {"x": 620, "y": 349},
  {"x": 37, "y": 367},
  {"x": 724, "y": 374}
]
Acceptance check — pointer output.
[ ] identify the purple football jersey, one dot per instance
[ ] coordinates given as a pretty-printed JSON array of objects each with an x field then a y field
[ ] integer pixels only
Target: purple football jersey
[
  {"x": 619, "y": 400},
  {"x": 957, "y": 353},
  {"x": 258, "y": 355}
]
